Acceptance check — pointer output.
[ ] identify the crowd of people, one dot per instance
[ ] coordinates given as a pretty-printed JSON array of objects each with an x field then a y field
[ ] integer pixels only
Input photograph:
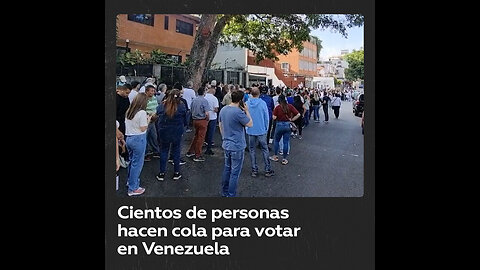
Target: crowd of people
[{"x": 152, "y": 120}]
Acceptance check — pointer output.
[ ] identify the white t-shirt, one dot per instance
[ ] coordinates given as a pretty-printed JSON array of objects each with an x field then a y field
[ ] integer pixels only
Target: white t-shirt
[
  {"x": 189, "y": 95},
  {"x": 132, "y": 95},
  {"x": 132, "y": 127},
  {"x": 213, "y": 102}
]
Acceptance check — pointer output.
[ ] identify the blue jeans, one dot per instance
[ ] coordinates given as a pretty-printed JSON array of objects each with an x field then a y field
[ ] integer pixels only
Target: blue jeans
[
  {"x": 325, "y": 111},
  {"x": 231, "y": 172},
  {"x": 280, "y": 146},
  {"x": 164, "y": 149},
  {"x": 282, "y": 131},
  {"x": 316, "y": 115},
  {"x": 136, "y": 145},
  {"x": 152, "y": 140},
  {"x": 210, "y": 132},
  {"x": 306, "y": 119},
  {"x": 254, "y": 140}
]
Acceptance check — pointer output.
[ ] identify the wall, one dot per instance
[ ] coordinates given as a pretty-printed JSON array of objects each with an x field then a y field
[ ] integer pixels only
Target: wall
[
  {"x": 269, "y": 72},
  {"x": 230, "y": 53},
  {"x": 323, "y": 81},
  {"x": 147, "y": 38},
  {"x": 294, "y": 57}
]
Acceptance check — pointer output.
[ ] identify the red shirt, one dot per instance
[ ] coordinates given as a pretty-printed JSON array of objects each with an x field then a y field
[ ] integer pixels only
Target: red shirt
[{"x": 281, "y": 116}]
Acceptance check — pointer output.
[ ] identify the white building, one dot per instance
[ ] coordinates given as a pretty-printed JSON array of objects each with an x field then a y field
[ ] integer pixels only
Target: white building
[
  {"x": 323, "y": 83},
  {"x": 230, "y": 57},
  {"x": 340, "y": 65},
  {"x": 326, "y": 69}
]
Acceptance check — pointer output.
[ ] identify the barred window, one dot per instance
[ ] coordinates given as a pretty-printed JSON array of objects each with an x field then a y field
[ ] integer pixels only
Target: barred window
[{"x": 141, "y": 18}]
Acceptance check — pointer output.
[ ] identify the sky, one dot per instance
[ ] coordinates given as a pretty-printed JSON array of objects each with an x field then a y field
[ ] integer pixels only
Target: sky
[{"x": 333, "y": 43}]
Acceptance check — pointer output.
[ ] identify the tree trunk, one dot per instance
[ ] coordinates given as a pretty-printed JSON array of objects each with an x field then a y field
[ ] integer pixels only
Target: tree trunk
[{"x": 204, "y": 47}]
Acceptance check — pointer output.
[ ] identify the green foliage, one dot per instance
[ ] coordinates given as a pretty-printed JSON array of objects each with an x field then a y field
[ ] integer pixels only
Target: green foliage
[
  {"x": 138, "y": 57},
  {"x": 187, "y": 62},
  {"x": 133, "y": 58},
  {"x": 159, "y": 57},
  {"x": 268, "y": 34},
  {"x": 315, "y": 40},
  {"x": 336, "y": 81},
  {"x": 355, "y": 68}
]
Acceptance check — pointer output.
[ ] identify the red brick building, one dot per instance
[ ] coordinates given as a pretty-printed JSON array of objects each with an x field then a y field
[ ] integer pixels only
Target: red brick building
[{"x": 173, "y": 34}]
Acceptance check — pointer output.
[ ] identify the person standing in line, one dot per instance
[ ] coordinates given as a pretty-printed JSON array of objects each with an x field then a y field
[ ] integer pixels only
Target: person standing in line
[
  {"x": 172, "y": 117},
  {"x": 152, "y": 140},
  {"x": 306, "y": 118},
  {"x": 135, "y": 86},
  {"x": 161, "y": 92},
  {"x": 315, "y": 101},
  {"x": 121, "y": 81},
  {"x": 336, "y": 103},
  {"x": 270, "y": 106},
  {"x": 212, "y": 116},
  {"x": 257, "y": 134},
  {"x": 136, "y": 124},
  {"x": 232, "y": 122},
  {"x": 148, "y": 81},
  {"x": 325, "y": 102},
  {"x": 289, "y": 97},
  {"x": 284, "y": 113},
  {"x": 189, "y": 95},
  {"x": 300, "y": 106},
  {"x": 218, "y": 91},
  {"x": 200, "y": 108},
  {"x": 227, "y": 98},
  {"x": 122, "y": 104}
]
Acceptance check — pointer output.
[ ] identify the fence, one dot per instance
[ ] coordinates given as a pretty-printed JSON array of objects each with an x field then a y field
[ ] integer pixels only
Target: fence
[{"x": 172, "y": 74}]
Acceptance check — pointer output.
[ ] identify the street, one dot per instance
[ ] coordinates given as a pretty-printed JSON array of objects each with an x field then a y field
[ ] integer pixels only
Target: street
[{"x": 327, "y": 162}]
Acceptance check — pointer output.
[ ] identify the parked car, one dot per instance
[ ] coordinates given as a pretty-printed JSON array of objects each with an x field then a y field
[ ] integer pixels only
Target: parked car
[{"x": 357, "y": 105}]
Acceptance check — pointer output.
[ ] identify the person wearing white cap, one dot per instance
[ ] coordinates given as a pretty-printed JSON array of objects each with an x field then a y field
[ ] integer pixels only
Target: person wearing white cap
[
  {"x": 122, "y": 80},
  {"x": 148, "y": 81}
]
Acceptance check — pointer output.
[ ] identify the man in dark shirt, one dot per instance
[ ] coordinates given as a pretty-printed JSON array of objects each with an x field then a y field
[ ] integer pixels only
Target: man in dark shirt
[
  {"x": 325, "y": 101},
  {"x": 270, "y": 106},
  {"x": 122, "y": 106}
]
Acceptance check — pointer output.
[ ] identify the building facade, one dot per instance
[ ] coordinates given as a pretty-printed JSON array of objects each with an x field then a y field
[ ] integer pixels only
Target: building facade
[
  {"x": 294, "y": 69},
  {"x": 173, "y": 34}
]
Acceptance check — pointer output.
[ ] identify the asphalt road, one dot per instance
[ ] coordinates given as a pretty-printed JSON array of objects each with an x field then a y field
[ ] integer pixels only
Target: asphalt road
[{"x": 327, "y": 162}]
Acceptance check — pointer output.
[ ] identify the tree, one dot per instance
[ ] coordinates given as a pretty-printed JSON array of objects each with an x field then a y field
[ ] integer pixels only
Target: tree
[
  {"x": 355, "y": 65},
  {"x": 315, "y": 40},
  {"x": 264, "y": 34}
]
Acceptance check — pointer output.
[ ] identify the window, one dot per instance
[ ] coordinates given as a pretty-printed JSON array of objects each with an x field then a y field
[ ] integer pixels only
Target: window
[
  {"x": 166, "y": 23},
  {"x": 184, "y": 28},
  {"x": 176, "y": 58},
  {"x": 285, "y": 67},
  {"x": 141, "y": 18}
]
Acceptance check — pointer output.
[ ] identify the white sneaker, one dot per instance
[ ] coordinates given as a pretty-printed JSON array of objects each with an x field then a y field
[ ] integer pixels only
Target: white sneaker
[
  {"x": 139, "y": 191},
  {"x": 270, "y": 141}
]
